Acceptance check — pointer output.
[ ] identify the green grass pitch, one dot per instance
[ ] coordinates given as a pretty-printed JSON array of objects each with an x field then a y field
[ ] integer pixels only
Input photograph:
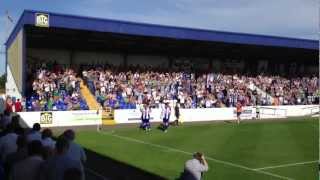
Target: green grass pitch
[{"x": 283, "y": 149}]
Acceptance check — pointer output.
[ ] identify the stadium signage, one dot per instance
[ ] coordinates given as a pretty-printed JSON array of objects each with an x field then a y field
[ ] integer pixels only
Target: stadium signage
[
  {"x": 46, "y": 118},
  {"x": 42, "y": 20},
  {"x": 91, "y": 117},
  {"x": 246, "y": 113}
]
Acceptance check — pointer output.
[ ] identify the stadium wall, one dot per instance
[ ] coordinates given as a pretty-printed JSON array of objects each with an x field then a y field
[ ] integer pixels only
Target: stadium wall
[
  {"x": 160, "y": 61},
  {"x": 11, "y": 86},
  {"x": 45, "y": 55},
  {"x": 219, "y": 114},
  {"x": 65, "y": 57},
  {"x": 62, "y": 118},
  {"x": 68, "y": 57},
  {"x": 14, "y": 66},
  {"x": 124, "y": 116},
  {"x": 76, "y": 57},
  {"x": 83, "y": 57}
]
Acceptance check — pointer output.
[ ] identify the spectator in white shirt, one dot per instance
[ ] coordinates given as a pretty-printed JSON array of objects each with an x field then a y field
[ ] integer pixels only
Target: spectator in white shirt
[
  {"x": 195, "y": 167},
  {"x": 35, "y": 133},
  {"x": 29, "y": 169}
]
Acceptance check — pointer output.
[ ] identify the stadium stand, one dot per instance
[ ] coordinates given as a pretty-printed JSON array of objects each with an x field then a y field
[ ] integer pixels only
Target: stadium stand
[
  {"x": 200, "y": 68},
  {"x": 81, "y": 63},
  {"x": 127, "y": 89},
  {"x": 58, "y": 89}
]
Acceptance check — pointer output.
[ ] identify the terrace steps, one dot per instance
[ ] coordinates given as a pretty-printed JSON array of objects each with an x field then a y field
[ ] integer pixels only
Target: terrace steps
[
  {"x": 90, "y": 99},
  {"x": 252, "y": 86},
  {"x": 107, "y": 115}
]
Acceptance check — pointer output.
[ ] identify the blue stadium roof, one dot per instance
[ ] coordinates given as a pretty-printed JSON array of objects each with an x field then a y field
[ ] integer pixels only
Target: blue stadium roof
[{"x": 143, "y": 29}]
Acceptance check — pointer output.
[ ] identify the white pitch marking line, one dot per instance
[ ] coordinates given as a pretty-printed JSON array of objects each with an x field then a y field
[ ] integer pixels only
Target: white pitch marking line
[
  {"x": 189, "y": 153},
  {"x": 286, "y": 165},
  {"x": 95, "y": 173}
]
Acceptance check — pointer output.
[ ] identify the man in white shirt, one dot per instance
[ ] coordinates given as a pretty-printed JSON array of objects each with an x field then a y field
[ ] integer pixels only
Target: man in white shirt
[
  {"x": 34, "y": 133},
  {"x": 194, "y": 168},
  {"x": 29, "y": 168}
]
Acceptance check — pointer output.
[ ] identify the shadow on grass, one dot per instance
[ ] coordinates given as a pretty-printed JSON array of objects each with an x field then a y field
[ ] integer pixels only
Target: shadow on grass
[{"x": 100, "y": 166}]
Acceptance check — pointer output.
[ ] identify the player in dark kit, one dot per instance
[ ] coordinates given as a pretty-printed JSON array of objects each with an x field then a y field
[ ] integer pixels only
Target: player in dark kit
[
  {"x": 166, "y": 117},
  {"x": 145, "y": 118},
  {"x": 177, "y": 114}
]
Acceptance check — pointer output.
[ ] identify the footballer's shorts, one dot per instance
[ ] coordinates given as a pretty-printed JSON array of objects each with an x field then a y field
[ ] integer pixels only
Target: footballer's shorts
[{"x": 165, "y": 120}]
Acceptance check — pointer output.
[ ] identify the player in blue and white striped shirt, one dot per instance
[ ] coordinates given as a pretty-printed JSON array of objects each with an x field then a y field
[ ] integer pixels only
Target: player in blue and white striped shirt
[
  {"x": 166, "y": 112},
  {"x": 145, "y": 117}
]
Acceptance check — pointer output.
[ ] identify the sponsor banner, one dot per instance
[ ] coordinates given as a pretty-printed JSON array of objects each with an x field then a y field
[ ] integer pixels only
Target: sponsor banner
[
  {"x": 77, "y": 118},
  {"x": 134, "y": 115},
  {"x": 207, "y": 114},
  {"x": 218, "y": 114},
  {"x": 46, "y": 118},
  {"x": 288, "y": 111},
  {"x": 247, "y": 113},
  {"x": 29, "y": 118},
  {"x": 42, "y": 20},
  {"x": 189, "y": 115},
  {"x": 61, "y": 118},
  {"x": 108, "y": 113},
  {"x": 93, "y": 117}
]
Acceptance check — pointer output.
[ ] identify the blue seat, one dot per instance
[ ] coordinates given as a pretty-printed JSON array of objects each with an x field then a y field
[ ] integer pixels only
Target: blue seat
[
  {"x": 119, "y": 98},
  {"x": 46, "y": 107}
]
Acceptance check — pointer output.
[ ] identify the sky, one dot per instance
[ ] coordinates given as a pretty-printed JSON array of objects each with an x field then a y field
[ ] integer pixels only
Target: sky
[{"x": 289, "y": 18}]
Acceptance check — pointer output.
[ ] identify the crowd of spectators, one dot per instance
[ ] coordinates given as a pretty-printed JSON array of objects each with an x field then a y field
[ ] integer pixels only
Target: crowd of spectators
[
  {"x": 56, "y": 89},
  {"x": 290, "y": 91},
  {"x": 35, "y": 155},
  {"x": 125, "y": 89},
  {"x": 9, "y": 104}
]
